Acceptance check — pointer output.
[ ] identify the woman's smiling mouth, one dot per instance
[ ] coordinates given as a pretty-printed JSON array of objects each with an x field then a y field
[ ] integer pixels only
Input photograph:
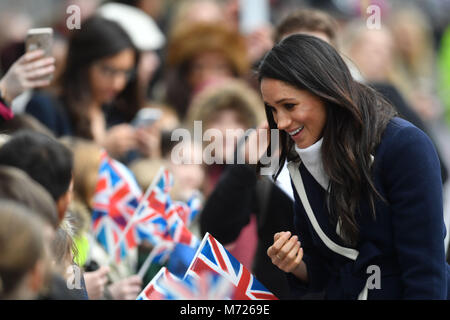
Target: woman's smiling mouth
[{"x": 295, "y": 132}]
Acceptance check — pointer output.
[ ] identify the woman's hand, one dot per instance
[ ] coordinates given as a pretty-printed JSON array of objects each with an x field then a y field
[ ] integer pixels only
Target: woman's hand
[
  {"x": 120, "y": 139},
  {"x": 126, "y": 289},
  {"x": 149, "y": 141},
  {"x": 286, "y": 252},
  {"x": 30, "y": 71},
  {"x": 95, "y": 282}
]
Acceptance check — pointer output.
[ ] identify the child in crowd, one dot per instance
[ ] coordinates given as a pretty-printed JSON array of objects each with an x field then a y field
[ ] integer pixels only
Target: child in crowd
[
  {"x": 103, "y": 281},
  {"x": 22, "y": 270}
]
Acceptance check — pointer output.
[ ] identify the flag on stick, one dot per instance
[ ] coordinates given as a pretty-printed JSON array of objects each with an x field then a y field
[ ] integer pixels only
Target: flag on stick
[
  {"x": 166, "y": 286},
  {"x": 212, "y": 256},
  {"x": 116, "y": 198}
]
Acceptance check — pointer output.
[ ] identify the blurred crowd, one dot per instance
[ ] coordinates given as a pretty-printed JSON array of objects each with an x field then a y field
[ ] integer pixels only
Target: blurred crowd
[{"x": 189, "y": 60}]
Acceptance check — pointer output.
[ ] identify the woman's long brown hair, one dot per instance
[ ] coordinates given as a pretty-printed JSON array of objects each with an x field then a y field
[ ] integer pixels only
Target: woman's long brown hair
[
  {"x": 98, "y": 38},
  {"x": 356, "y": 119}
]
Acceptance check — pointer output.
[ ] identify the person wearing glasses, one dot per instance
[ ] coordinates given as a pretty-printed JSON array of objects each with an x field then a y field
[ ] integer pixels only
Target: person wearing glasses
[{"x": 97, "y": 94}]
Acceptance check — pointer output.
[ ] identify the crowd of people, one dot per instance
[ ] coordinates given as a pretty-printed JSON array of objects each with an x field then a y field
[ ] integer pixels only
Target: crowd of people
[{"x": 188, "y": 62}]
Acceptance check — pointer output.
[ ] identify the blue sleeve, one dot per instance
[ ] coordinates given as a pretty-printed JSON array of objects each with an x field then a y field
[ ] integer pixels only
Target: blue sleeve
[
  {"x": 412, "y": 178},
  {"x": 318, "y": 274},
  {"x": 49, "y": 113}
]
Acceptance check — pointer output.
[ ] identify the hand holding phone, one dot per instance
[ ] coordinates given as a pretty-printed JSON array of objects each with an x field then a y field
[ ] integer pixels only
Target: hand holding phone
[
  {"x": 40, "y": 39},
  {"x": 34, "y": 69},
  {"x": 146, "y": 117}
]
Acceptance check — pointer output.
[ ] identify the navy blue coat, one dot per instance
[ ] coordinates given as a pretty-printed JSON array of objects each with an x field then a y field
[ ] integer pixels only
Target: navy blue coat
[
  {"x": 51, "y": 113},
  {"x": 406, "y": 240}
]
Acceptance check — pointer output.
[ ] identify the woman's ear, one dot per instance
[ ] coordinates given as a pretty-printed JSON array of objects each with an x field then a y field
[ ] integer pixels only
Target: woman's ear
[
  {"x": 36, "y": 277},
  {"x": 62, "y": 204}
]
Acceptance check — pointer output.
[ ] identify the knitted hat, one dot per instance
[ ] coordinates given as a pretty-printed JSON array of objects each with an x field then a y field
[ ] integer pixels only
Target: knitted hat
[{"x": 186, "y": 43}]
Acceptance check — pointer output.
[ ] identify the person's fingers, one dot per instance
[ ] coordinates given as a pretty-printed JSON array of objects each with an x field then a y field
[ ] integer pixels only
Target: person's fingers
[
  {"x": 41, "y": 63},
  {"x": 290, "y": 267},
  {"x": 102, "y": 282},
  {"x": 31, "y": 56},
  {"x": 135, "y": 280},
  {"x": 122, "y": 137},
  {"x": 40, "y": 73},
  {"x": 134, "y": 290},
  {"x": 290, "y": 256},
  {"x": 278, "y": 244},
  {"x": 35, "y": 83},
  {"x": 103, "y": 271},
  {"x": 143, "y": 137},
  {"x": 40, "y": 83},
  {"x": 287, "y": 247},
  {"x": 131, "y": 296},
  {"x": 127, "y": 143}
]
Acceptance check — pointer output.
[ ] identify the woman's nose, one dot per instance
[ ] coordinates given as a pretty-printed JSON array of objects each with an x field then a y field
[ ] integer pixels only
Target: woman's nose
[{"x": 283, "y": 121}]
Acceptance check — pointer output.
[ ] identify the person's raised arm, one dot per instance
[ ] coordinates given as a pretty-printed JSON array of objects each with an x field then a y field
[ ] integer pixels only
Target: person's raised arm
[{"x": 30, "y": 71}]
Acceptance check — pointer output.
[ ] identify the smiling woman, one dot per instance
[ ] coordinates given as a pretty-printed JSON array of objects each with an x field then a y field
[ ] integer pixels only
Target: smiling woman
[
  {"x": 298, "y": 112},
  {"x": 366, "y": 182}
]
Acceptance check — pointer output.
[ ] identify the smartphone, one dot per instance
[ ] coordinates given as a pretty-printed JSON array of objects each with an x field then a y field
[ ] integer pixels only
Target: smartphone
[
  {"x": 40, "y": 38},
  {"x": 146, "y": 117},
  {"x": 253, "y": 14}
]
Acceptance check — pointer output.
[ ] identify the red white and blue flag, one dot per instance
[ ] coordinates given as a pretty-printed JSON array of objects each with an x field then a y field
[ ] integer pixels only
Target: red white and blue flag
[
  {"x": 116, "y": 198},
  {"x": 166, "y": 286},
  {"x": 150, "y": 219},
  {"x": 189, "y": 210},
  {"x": 158, "y": 217},
  {"x": 213, "y": 257},
  {"x": 157, "y": 221},
  {"x": 176, "y": 227}
]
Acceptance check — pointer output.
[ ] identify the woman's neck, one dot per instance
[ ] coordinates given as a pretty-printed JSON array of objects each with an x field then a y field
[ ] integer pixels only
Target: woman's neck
[{"x": 98, "y": 123}]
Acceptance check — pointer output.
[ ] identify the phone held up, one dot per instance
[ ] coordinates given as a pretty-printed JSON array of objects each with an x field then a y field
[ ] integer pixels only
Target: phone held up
[{"x": 40, "y": 38}]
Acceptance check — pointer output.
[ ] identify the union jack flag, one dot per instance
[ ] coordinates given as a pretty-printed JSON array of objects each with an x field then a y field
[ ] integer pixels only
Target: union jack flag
[
  {"x": 212, "y": 256},
  {"x": 158, "y": 217},
  {"x": 177, "y": 228},
  {"x": 166, "y": 286},
  {"x": 150, "y": 221},
  {"x": 189, "y": 210},
  {"x": 116, "y": 198},
  {"x": 156, "y": 220}
]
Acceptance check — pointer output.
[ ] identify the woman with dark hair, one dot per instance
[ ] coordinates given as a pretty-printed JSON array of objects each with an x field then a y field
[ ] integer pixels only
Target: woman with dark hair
[
  {"x": 368, "y": 190},
  {"x": 97, "y": 94}
]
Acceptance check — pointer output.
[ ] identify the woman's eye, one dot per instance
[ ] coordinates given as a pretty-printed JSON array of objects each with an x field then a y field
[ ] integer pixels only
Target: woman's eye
[{"x": 289, "y": 106}]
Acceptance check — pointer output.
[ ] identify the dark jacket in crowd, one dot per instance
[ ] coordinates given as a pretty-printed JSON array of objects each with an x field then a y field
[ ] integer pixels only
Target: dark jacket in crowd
[
  {"x": 239, "y": 194},
  {"x": 51, "y": 113}
]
